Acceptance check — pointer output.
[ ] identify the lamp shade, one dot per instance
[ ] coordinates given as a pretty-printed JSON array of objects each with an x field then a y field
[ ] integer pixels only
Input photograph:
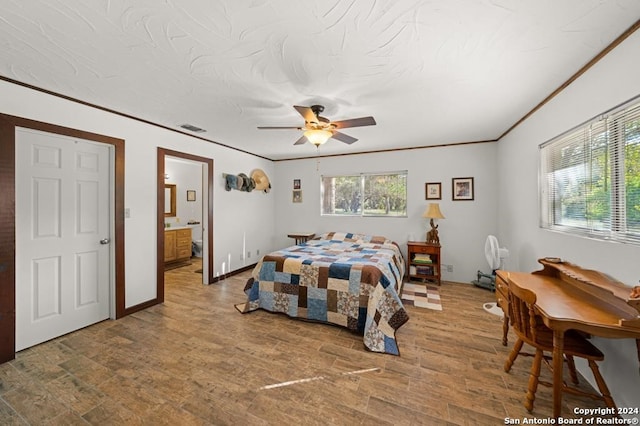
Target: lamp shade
[
  {"x": 317, "y": 137},
  {"x": 433, "y": 211}
]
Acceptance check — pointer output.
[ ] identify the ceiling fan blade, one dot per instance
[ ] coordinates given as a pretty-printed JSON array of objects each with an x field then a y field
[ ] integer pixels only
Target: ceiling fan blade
[
  {"x": 280, "y": 128},
  {"x": 343, "y": 138},
  {"x": 307, "y": 113},
  {"x": 301, "y": 141},
  {"x": 354, "y": 122}
]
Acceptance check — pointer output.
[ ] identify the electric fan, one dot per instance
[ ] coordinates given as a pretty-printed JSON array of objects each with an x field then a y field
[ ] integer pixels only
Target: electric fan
[{"x": 495, "y": 258}]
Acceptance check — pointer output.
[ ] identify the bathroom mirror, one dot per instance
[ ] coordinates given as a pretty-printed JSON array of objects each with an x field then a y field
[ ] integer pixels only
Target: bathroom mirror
[{"x": 169, "y": 200}]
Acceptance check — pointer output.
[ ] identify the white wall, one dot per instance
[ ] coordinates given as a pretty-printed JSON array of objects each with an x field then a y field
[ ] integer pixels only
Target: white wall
[
  {"x": 241, "y": 220},
  {"x": 462, "y": 232},
  {"x": 610, "y": 82}
]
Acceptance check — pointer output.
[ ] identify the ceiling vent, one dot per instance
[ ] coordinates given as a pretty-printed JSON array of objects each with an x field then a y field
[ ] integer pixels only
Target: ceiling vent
[{"x": 192, "y": 128}]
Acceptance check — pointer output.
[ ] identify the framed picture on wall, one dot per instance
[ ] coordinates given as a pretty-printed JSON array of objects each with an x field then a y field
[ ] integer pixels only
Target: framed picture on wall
[
  {"x": 433, "y": 191},
  {"x": 191, "y": 195},
  {"x": 297, "y": 195},
  {"x": 462, "y": 189}
]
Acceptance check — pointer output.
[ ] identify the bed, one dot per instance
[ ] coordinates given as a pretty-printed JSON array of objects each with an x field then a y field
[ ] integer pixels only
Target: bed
[{"x": 350, "y": 280}]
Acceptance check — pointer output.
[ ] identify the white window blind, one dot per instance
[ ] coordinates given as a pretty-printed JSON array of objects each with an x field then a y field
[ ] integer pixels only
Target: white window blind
[{"x": 590, "y": 178}]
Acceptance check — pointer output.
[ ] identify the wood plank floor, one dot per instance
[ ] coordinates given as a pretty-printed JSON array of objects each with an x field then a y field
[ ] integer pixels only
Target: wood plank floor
[{"x": 195, "y": 360}]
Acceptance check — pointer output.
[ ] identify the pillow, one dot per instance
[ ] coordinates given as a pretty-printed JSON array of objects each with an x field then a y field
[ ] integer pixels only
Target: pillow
[{"x": 354, "y": 238}]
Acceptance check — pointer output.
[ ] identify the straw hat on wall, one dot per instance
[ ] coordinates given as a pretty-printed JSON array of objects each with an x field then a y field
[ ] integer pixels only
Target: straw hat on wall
[{"x": 261, "y": 179}]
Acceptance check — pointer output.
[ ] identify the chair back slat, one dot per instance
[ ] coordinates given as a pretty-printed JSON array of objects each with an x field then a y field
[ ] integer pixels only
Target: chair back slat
[{"x": 522, "y": 312}]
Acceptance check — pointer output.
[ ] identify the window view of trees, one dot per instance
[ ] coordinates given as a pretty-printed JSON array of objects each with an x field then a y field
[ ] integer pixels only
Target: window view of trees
[
  {"x": 341, "y": 195},
  {"x": 365, "y": 195},
  {"x": 582, "y": 179},
  {"x": 593, "y": 178},
  {"x": 632, "y": 175}
]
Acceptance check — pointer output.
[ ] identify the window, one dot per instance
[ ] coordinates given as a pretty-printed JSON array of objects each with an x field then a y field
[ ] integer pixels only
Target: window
[
  {"x": 365, "y": 194},
  {"x": 590, "y": 178}
]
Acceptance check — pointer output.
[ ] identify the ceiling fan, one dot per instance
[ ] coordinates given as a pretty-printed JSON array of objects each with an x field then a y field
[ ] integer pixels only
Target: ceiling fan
[{"x": 318, "y": 130}]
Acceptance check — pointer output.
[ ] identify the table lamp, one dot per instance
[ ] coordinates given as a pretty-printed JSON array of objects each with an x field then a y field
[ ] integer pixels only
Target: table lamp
[{"x": 433, "y": 212}]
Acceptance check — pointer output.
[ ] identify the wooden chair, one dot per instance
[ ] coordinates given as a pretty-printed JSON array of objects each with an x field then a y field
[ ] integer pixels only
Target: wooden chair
[{"x": 530, "y": 329}]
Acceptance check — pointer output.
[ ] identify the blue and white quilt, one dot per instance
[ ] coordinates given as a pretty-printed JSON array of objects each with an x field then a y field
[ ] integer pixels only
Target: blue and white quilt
[{"x": 351, "y": 280}]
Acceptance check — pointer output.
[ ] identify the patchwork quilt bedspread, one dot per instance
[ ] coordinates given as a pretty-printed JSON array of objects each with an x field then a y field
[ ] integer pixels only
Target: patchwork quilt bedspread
[{"x": 351, "y": 280}]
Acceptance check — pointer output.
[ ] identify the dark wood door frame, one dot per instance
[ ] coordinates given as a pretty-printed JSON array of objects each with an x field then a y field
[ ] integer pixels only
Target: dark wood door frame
[
  {"x": 162, "y": 154},
  {"x": 8, "y": 124}
]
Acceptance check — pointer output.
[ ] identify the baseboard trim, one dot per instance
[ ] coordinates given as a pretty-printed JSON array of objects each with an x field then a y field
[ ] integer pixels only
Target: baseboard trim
[{"x": 232, "y": 273}]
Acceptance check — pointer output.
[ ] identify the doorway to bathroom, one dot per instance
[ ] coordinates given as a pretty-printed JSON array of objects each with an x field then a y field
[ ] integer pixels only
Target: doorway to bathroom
[{"x": 185, "y": 214}]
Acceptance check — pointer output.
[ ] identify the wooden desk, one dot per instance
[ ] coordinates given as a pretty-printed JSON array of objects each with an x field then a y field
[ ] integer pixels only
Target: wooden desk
[
  {"x": 569, "y": 297},
  {"x": 302, "y": 237}
]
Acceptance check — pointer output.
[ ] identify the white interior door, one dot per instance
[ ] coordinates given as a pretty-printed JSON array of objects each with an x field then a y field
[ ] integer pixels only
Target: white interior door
[{"x": 63, "y": 218}]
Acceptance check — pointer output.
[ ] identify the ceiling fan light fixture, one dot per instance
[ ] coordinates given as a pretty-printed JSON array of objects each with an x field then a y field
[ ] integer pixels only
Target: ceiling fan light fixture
[
  {"x": 318, "y": 130},
  {"x": 317, "y": 137}
]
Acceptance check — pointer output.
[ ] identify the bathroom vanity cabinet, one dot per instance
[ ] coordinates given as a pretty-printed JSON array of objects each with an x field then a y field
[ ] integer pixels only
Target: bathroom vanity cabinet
[{"x": 177, "y": 245}]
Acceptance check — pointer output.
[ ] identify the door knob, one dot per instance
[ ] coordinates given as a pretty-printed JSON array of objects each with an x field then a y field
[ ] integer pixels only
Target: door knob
[{"x": 105, "y": 241}]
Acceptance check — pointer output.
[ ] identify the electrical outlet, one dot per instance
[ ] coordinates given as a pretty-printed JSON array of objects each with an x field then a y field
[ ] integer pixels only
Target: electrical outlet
[
  {"x": 448, "y": 268},
  {"x": 248, "y": 254},
  {"x": 258, "y": 252}
]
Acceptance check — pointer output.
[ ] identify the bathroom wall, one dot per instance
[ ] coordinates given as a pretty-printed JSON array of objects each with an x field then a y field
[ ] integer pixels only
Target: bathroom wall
[{"x": 186, "y": 175}]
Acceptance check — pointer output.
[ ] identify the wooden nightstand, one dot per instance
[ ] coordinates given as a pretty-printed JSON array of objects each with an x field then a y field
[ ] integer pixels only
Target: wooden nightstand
[{"x": 423, "y": 261}]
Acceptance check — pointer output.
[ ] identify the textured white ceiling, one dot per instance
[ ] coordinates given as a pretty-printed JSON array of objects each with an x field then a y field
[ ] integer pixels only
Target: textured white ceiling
[{"x": 430, "y": 72}]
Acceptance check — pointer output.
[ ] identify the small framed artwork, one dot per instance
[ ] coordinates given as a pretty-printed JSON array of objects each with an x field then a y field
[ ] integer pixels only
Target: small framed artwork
[
  {"x": 296, "y": 184},
  {"x": 433, "y": 191},
  {"x": 297, "y": 195},
  {"x": 191, "y": 195},
  {"x": 462, "y": 189}
]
